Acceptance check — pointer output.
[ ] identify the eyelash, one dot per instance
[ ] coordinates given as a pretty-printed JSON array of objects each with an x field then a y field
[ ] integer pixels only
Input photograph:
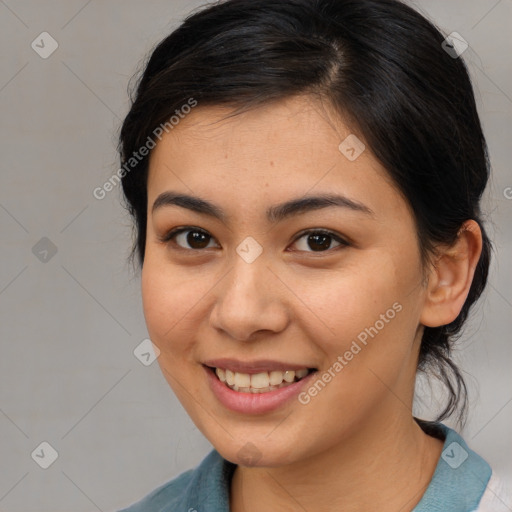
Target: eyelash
[{"x": 173, "y": 233}]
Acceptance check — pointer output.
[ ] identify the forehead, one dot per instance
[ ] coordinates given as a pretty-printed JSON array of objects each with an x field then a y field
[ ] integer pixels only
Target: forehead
[{"x": 291, "y": 147}]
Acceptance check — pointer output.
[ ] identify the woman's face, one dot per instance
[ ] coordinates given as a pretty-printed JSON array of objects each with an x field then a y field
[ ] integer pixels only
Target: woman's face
[{"x": 252, "y": 287}]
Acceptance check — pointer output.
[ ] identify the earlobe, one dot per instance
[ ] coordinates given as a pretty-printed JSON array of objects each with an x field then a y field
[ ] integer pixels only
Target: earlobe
[{"x": 451, "y": 275}]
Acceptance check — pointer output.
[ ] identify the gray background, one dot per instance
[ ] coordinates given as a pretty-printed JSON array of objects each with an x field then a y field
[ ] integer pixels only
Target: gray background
[{"x": 69, "y": 325}]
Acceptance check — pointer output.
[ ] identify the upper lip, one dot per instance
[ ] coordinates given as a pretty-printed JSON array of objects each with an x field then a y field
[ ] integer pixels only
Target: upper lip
[{"x": 250, "y": 367}]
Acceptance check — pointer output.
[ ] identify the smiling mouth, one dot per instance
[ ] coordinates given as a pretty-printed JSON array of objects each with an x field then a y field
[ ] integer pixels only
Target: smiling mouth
[{"x": 262, "y": 382}]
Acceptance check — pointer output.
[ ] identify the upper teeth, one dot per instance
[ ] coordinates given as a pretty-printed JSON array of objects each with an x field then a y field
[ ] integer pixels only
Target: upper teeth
[{"x": 258, "y": 380}]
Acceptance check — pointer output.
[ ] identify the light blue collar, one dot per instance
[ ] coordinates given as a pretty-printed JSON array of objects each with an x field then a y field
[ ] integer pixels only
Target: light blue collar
[
  {"x": 459, "y": 480},
  {"x": 457, "y": 485}
]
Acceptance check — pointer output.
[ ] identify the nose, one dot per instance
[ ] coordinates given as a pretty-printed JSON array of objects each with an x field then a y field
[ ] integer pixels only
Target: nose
[{"x": 250, "y": 300}]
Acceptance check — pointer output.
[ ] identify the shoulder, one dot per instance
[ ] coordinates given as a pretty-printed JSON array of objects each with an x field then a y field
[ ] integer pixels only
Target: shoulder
[
  {"x": 207, "y": 483},
  {"x": 497, "y": 496},
  {"x": 164, "y": 497}
]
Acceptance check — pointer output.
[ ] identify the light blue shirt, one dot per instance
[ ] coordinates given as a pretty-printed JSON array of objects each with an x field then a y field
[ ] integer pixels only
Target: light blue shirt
[{"x": 458, "y": 483}]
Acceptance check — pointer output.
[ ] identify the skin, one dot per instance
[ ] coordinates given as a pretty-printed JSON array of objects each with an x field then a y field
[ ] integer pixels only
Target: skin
[{"x": 355, "y": 444}]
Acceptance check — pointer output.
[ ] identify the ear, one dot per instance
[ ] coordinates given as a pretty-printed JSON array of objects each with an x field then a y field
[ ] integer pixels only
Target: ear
[{"x": 450, "y": 277}]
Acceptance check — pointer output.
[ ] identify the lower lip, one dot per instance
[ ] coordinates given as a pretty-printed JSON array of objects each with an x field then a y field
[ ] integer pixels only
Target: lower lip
[{"x": 254, "y": 403}]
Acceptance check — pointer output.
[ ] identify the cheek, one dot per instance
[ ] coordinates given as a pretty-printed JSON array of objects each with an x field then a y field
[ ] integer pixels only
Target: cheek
[
  {"x": 170, "y": 304},
  {"x": 373, "y": 299},
  {"x": 170, "y": 300}
]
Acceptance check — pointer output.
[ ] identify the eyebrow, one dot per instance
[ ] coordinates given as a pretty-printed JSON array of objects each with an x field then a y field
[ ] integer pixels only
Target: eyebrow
[{"x": 275, "y": 214}]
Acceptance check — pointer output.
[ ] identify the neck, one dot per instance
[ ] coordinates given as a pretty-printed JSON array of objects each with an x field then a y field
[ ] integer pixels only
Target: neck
[{"x": 388, "y": 464}]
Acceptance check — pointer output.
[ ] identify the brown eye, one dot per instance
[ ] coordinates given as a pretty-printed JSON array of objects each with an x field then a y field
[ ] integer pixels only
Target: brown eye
[
  {"x": 189, "y": 238},
  {"x": 319, "y": 241}
]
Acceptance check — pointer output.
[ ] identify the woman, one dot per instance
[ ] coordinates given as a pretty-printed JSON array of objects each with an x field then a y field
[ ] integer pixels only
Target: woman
[{"x": 305, "y": 179}]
